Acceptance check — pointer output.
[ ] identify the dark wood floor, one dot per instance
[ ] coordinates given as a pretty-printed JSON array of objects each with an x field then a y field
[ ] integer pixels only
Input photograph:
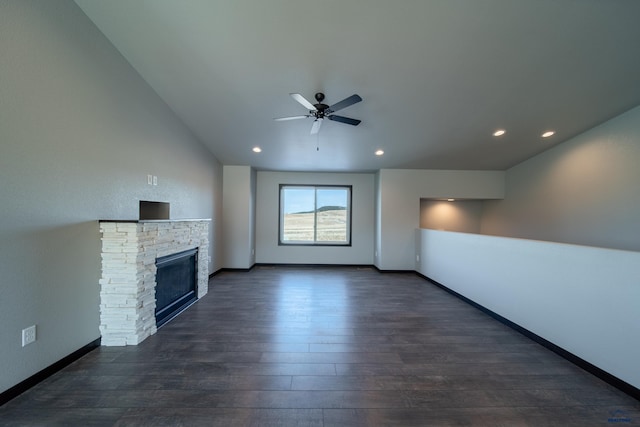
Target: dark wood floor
[{"x": 325, "y": 347}]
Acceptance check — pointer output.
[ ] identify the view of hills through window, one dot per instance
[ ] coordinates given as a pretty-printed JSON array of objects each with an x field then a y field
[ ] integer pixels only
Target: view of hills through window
[{"x": 312, "y": 214}]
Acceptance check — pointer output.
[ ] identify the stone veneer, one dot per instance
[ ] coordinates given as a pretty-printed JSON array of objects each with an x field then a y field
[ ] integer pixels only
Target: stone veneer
[{"x": 127, "y": 285}]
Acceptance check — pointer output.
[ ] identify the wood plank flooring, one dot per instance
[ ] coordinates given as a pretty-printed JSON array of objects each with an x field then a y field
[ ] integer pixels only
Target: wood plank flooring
[{"x": 285, "y": 346}]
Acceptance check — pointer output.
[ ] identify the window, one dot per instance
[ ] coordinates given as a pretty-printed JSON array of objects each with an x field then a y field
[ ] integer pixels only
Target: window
[{"x": 315, "y": 215}]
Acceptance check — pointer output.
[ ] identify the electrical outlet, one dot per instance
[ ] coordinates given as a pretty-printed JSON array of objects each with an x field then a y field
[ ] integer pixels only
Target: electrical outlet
[
  {"x": 417, "y": 258},
  {"x": 28, "y": 335},
  {"x": 149, "y": 179},
  {"x": 155, "y": 180}
]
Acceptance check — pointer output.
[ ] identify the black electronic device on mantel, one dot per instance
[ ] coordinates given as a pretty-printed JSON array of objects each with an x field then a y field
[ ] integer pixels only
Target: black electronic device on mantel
[{"x": 153, "y": 210}]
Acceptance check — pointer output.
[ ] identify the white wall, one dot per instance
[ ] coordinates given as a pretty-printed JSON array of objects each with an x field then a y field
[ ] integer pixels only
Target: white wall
[
  {"x": 458, "y": 215},
  {"x": 362, "y": 225},
  {"x": 585, "y": 191},
  {"x": 377, "y": 249},
  {"x": 79, "y": 132},
  {"x": 400, "y": 191},
  {"x": 238, "y": 203},
  {"x": 252, "y": 216},
  {"x": 583, "y": 299}
]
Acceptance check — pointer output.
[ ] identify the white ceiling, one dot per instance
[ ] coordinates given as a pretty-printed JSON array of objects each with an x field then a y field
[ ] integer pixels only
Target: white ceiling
[{"x": 437, "y": 77}]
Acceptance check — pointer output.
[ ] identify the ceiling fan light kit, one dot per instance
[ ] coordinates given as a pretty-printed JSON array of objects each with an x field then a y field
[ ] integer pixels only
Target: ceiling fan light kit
[{"x": 320, "y": 111}]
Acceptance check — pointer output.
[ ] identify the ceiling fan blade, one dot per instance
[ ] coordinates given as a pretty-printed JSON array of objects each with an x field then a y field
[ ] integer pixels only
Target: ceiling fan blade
[
  {"x": 347, "y": 120},
  {"x": 345, "y": 103},
  {"x": 283, "y": 119},
  {"x": 315, "y": 128},
  {"x": 302, "y": 100}
]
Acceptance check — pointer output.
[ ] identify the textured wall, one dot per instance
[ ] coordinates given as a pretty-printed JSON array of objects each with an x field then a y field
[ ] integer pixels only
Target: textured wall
[
  {"x": 580, "y": 298},
  {"x": 238, "y": 216},
  {"x": 585, "y": 191},
  {"x": 459, "y": 215},
  {"x": 400, "y": 191},
  {"x": 362, "y": 224},
  {"x": 79, "y": 132}
]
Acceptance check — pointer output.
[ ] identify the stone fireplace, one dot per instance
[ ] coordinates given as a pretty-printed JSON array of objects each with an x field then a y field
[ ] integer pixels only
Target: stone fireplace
[{"x": 128, "y": 283}]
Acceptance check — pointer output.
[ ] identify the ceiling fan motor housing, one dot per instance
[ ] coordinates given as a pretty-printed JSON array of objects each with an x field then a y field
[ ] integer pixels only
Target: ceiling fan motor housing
[{"x": 321, "y": 109}]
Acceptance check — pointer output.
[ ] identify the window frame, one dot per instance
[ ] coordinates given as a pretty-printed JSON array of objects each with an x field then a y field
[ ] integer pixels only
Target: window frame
[{"x": 316, "y": 243}]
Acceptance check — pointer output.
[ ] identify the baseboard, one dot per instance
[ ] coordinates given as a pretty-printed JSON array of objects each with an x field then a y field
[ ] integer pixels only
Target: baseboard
[
  {"x": 587, "y": 366},
  {"x": 215, "y": 273},
  {"x": 25, "y": 385},
  {"x": 394, "y": 271},
  {"x": 237, "y": 270},
  {"x": 222, "y": 270},
  {"x": 289, "y": 265}
]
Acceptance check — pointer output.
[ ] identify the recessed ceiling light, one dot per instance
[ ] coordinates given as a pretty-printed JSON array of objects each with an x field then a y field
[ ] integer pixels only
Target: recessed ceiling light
[
  {"x": 257, "y": 149},
  {"x": 379, "y": 152},
  {"x": 499, "y": 132},
  {"x": 548, "y": 134},
  {"x": 451, "y": 200}
]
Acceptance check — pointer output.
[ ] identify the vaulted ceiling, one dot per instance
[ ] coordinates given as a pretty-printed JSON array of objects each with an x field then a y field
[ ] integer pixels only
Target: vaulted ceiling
[{"x": 437, "y": 77}]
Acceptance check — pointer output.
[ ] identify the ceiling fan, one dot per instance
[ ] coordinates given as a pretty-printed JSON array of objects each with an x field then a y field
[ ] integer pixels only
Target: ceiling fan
[{"x": 320, "y": 111}]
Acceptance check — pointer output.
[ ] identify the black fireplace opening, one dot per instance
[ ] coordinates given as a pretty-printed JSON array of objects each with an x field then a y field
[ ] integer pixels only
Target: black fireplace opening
[{"x": 176, "y": 284}]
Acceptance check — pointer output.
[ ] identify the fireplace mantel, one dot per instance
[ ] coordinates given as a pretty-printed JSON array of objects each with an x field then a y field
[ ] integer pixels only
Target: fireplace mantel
[{"x": 127, "y": 285}]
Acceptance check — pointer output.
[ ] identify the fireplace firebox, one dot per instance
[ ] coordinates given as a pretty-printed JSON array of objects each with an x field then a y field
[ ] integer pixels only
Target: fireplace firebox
[{"x": 176, "y": 284}]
